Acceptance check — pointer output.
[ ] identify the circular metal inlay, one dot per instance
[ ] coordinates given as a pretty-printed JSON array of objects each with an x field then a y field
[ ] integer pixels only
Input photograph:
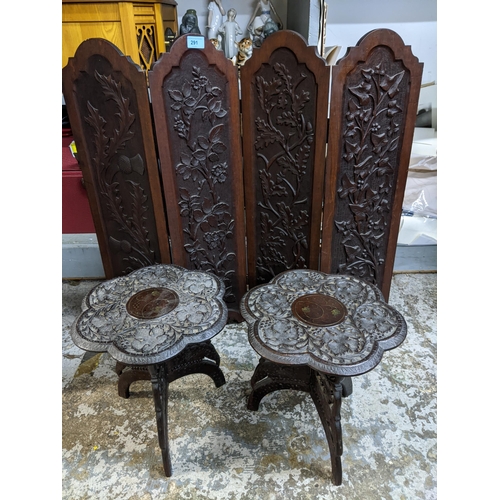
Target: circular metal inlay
[
  {"x": 319, "y": 310},
  {"x": 152, "y": 303}
]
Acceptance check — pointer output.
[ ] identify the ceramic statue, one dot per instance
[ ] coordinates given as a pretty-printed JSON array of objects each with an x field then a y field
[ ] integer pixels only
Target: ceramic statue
[
  {"x": 261, "y": 15},
  {"x": 189, "y": 23},
  {"x": 229, "y": 31},
  {"x": 215, "y": 13}
]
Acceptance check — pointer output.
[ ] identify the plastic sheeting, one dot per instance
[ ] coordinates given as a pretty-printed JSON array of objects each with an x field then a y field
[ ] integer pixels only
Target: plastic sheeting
[
  {"x": 421, "y": 187},
  {"x": 419, "y": 220}
]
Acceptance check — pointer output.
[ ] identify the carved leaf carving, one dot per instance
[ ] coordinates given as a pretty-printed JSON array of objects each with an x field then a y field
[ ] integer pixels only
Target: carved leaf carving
[
  {"x": 203, "y": 175},
  {"x": 111, "y": 165},
  {"x": 283, "y": 137},
  {"x": 372, "y": 135}
]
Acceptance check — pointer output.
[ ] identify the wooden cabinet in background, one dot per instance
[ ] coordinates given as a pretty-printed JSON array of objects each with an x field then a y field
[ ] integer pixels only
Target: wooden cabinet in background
[{"x": 136, "y": 28}]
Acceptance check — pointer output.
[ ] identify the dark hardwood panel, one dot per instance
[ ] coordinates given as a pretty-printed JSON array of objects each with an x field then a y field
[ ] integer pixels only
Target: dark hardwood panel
[
  {"x": 284, "y": 93},
  {"x": 194, "y": 93},
  {"x": 373, "y": 108},
  {"x": 107, "y": 101}
]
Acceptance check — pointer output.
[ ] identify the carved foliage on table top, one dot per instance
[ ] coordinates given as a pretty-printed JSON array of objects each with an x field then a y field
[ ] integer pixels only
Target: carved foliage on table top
[
  {"x": 284, "y": 136},
  {"x": 197, "y": 108},
  {"x": 278, "y": 333},
  {"x": 374, "y": 111},
  {"x": 108, "y": 323},
  {"x": 120, "y": 175}
]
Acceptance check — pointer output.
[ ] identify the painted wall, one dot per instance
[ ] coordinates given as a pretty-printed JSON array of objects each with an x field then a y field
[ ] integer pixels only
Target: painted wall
[
  {"x": 414, "y": 20},
  {"x": 348, "y": 20}
]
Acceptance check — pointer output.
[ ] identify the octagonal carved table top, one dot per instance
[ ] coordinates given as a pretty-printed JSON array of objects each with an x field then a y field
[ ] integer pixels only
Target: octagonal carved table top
[
  {"x": 336, "y": 324},
  {"x": 151, "y": 314}
]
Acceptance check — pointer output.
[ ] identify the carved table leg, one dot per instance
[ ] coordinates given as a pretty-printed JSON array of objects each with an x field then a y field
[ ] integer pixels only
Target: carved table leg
[
  {"x": 269, "y": 377},
  {"x": 160, "y": 394},
  {"x": 127, "y": 375},
  {"x": 326, "y": 392},
  {"x": 196, "y": 358},
  {"x": 346, "y": 387}
]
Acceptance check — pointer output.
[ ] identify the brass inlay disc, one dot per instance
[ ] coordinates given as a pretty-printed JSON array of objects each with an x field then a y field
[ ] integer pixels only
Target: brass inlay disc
[
  {"x": 319, "y": 310},
  {"x": 152, "y": 303}
]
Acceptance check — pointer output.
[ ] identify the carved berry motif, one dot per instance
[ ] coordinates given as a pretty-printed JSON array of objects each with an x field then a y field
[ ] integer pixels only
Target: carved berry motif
[
  {"x": 124, "y": 200},
  {"x": 377, "y": 91},
  {"x": 283, "y": 140},
  {"x": 203, "y": 174}
]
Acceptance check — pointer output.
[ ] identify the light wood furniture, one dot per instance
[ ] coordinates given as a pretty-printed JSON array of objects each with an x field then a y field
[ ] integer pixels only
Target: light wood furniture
[{"x": 136, "y": 28}]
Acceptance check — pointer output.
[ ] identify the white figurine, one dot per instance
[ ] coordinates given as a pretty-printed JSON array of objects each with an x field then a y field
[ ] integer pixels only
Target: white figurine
[
  {"x": 215, "y": 13},
  {"x": 229, "y": 31},
  {"x": 256, "y": 24}
]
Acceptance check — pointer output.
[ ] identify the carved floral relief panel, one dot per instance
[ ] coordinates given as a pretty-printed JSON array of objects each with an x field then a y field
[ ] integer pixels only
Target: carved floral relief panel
[
  {"x": 196, "y": 101},
  {"x": 116, "y": 150},
  {"x": 373, "y": 117},
  {"x": 283, "y": 161}
]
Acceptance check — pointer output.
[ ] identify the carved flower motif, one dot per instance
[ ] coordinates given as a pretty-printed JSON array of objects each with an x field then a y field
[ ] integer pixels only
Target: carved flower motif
[
  {"x": 146, "y": 339},
  {"x": 349, "y": 346},
  {"x": 371, "y": 144},
  {"x": 109, "y": 323},
  {"x": 214, "y": 238},
  {"x": 219, "y": 172},
  {"x": 193, "y": 316}
]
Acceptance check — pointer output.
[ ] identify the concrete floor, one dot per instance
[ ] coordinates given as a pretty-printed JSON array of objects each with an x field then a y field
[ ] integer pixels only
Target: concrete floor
[{"x": 220, "y": 450}]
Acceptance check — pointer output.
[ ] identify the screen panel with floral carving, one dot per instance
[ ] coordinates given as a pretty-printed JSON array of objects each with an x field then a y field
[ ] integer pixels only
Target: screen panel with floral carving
[
  {"x": 375, "y": 124},
  {"x": 105, "y": 119},
  {"x": 282, "y": 160},
  {"x": 198, "y": 131}
]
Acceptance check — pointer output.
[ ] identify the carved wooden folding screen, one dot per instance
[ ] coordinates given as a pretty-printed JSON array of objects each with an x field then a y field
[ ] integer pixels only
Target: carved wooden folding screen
[
  {"x": 107, "y": 101},
  {"x": 284, "y": 93},
  {"x": 194, "y": 93},
  {"x": 373, "y": 108}
]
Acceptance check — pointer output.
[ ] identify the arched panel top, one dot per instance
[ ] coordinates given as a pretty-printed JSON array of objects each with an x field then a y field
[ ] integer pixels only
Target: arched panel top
[
  {"x": 375, "y": 39},
  {"x": 94, "y": 49},
  {"x": 287, "y": 40},
  {"x": 180, "y": 50}
]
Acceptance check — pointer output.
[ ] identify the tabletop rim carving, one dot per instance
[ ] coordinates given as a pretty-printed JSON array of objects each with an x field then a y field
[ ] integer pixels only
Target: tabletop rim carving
[
  {"x": 350, "y": 347},
  {"x": 105, "y": 324}
]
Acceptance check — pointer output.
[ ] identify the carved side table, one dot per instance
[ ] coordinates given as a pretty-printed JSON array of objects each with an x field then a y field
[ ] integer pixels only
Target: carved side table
[
  {"x": 161, "y": 317},
  {"x": 313, "y": 330}
]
